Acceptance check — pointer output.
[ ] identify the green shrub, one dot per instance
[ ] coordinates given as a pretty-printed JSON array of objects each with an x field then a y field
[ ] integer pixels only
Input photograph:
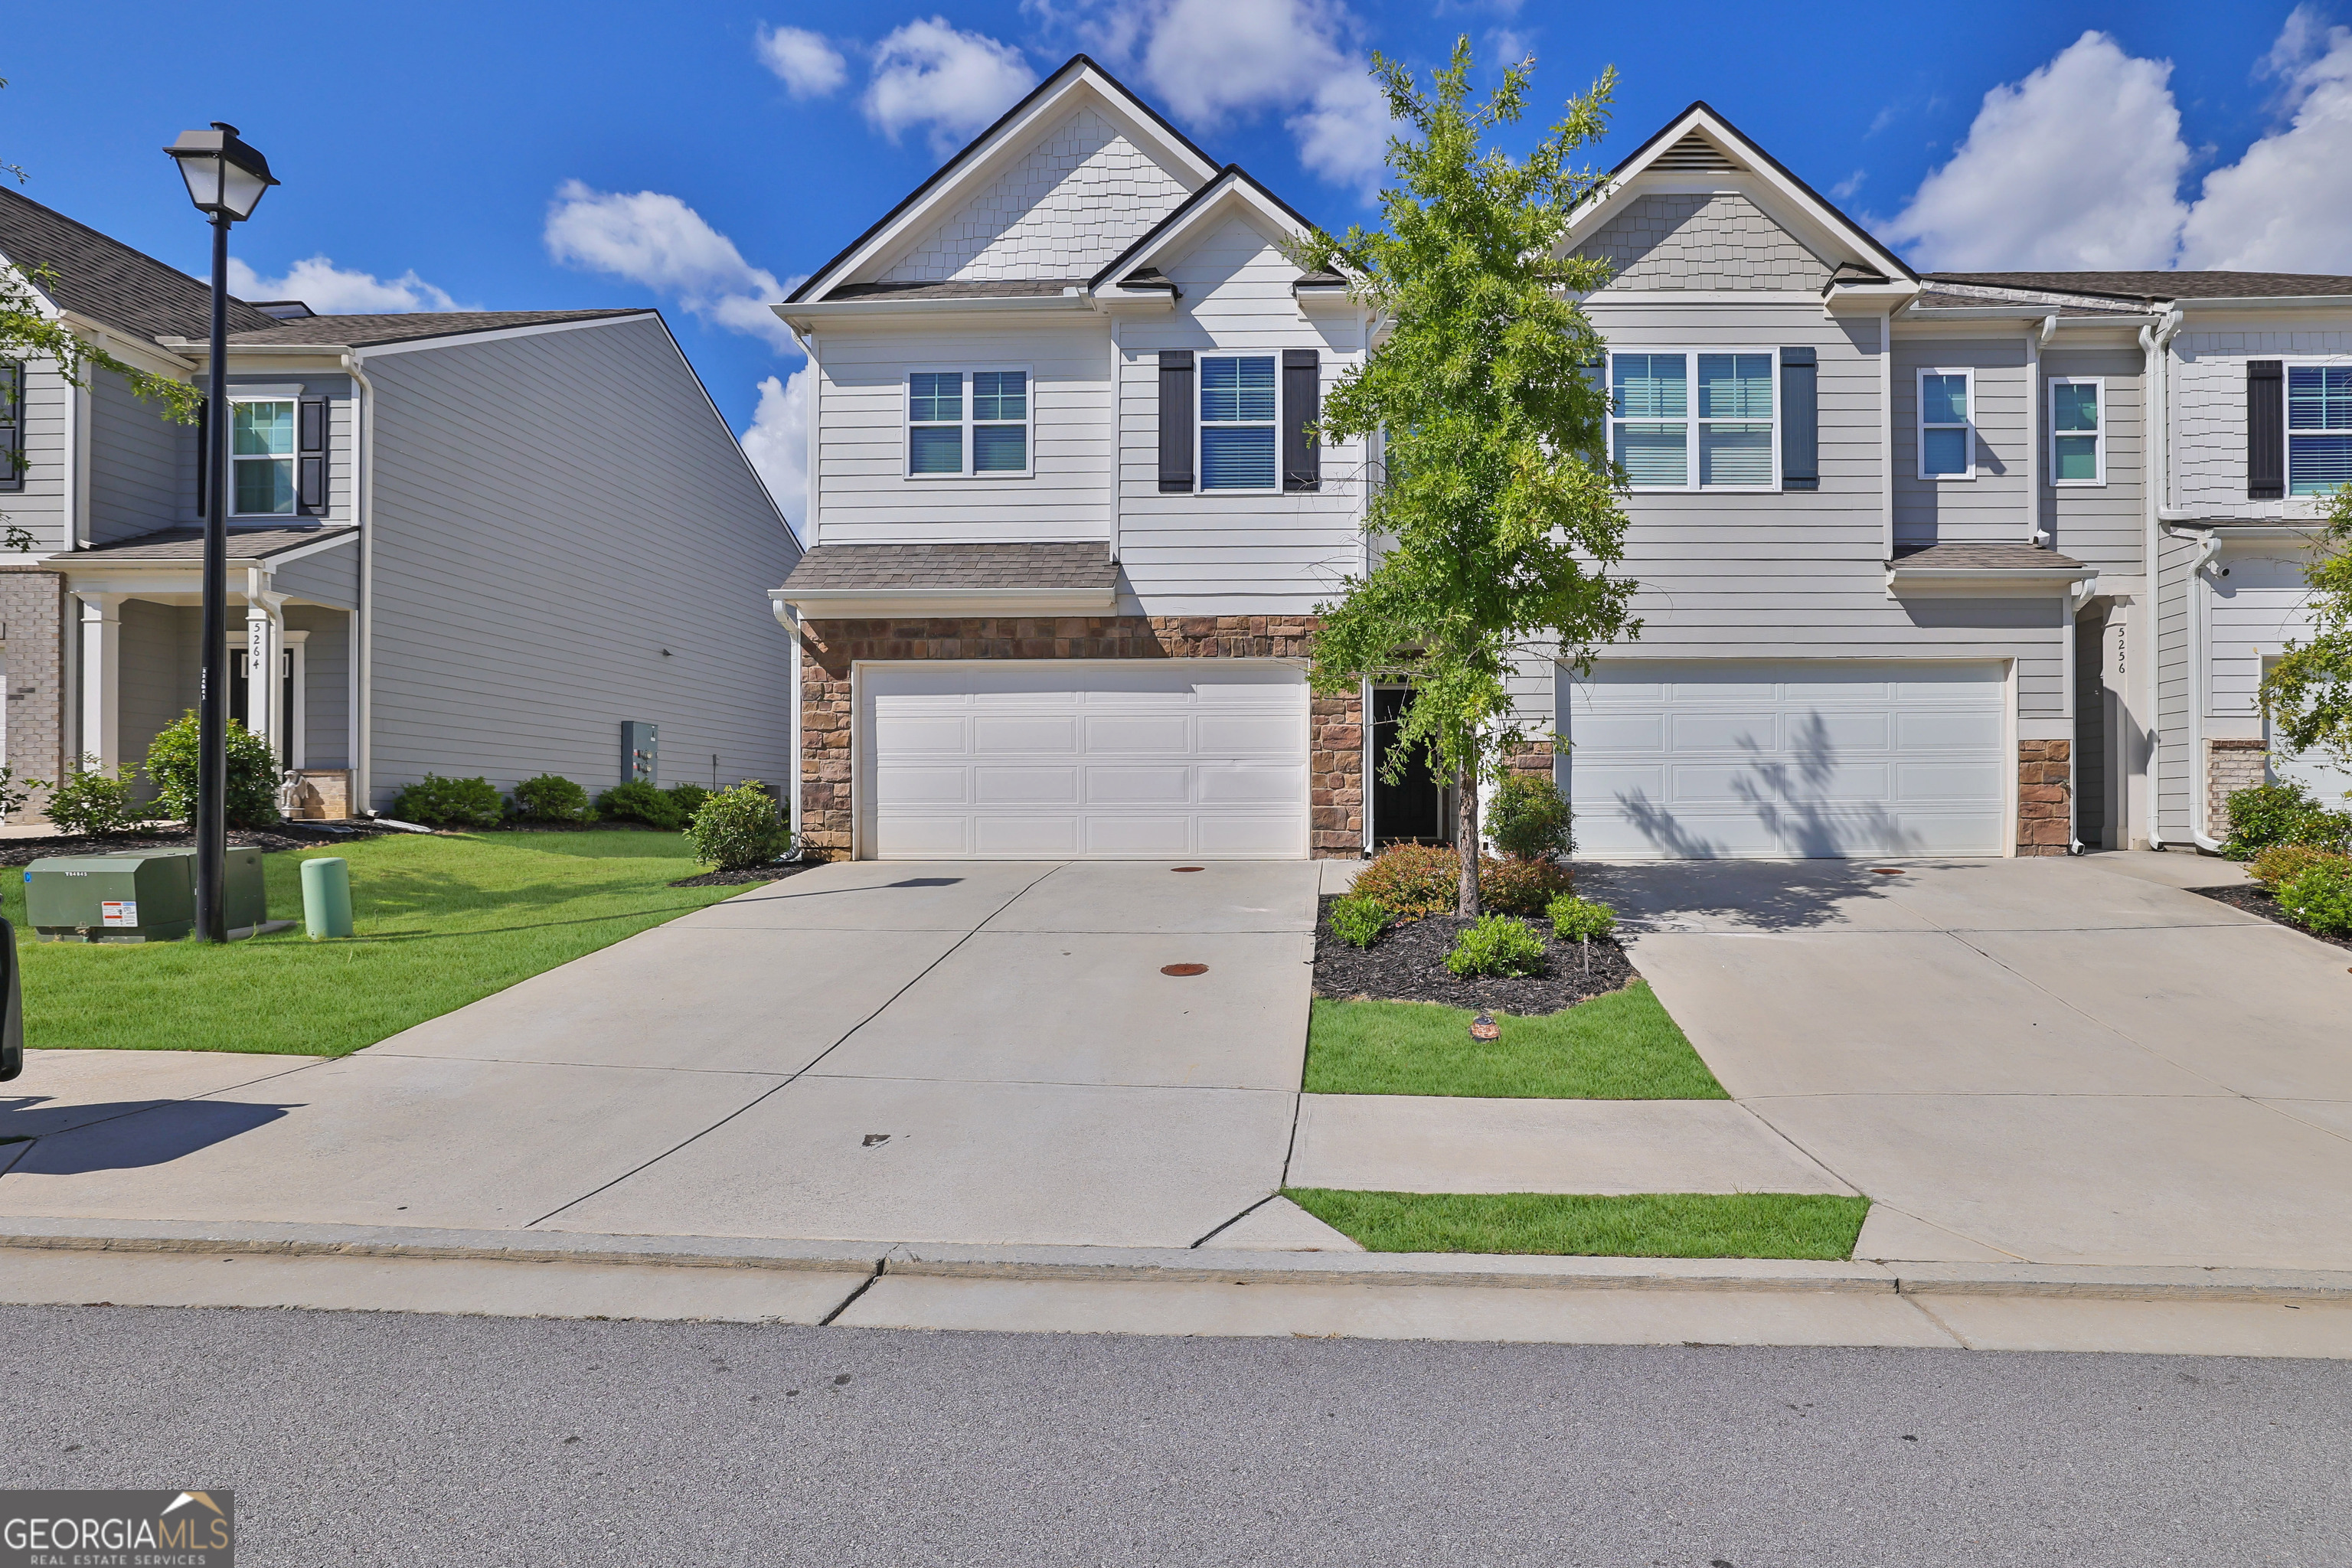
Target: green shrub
[
  {"x": 2320, "y": 895},
  {"x": 1497, "y": 944},
  {"x": 2281, "y": 863},
  {"x": 738, "y": 828},
  {"x": 1529, "y": 818},
  {"x": 88, "y": 802},
  {"x": 1580, "y": 920},
  {"x": 1412, "y": 879},
  {"x": 688, "y": 798},
  {"x": 550, "y": 798},
  {"x": 638, "y": 801},
  {"x": 1357, "y": 920},
  {"x": 16, "y": 792},
  {"x": 1524, "y": 888},
  {"x": 437, "y": 802},
  {"x": 253, "y": 773},
  {"x": 2266, "y": 815}
]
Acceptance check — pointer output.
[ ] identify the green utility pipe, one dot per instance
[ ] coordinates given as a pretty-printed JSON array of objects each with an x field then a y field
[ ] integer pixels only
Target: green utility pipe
[{"x": 327, "y": 896}]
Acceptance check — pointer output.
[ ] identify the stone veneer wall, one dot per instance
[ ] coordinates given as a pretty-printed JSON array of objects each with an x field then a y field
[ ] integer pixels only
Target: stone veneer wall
[
  {"x": 32, "y": 626},
  {"x": 2229, "y": 767},
  {"x": 828, "y": 648},
  {"x": 2045, "y": 776}
]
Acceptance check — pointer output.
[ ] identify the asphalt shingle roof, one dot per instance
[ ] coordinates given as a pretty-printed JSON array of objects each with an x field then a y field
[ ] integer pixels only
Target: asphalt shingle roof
[
  {"x": 362, "y": 332},
  {"x": 2161, "y": 285},
  {"x": 1986, "y": 557},
  {"x": 108, "y": 281},
  {"x": 919, "y": 566},
  {"x": 187, "y": 545}
]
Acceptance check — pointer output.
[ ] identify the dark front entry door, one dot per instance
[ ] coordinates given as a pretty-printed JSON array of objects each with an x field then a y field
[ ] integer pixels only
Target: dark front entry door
[
  {"x": 240, "y": 694},
  {"x": 1413, "y": 807}
]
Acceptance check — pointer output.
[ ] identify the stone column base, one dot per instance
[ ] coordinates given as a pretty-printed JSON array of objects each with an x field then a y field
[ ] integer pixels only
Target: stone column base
[
  {"x": 2229, "y": 767},
  {"x": 2045, "y": 777}
]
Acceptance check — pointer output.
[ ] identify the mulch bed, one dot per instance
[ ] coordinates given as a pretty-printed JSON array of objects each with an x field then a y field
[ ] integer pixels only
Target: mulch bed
[
  {"x": 756, "y": 874},
  {"x": 2254, "y": 901},
  {"x": 287, "y": 836},
  {"x": 1407, "y": 964}
]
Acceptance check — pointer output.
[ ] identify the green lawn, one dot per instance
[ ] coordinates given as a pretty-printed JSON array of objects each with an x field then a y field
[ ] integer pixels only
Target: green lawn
[
  {"x": 442, "y": 922},
  {"x": 1645, "y": 1224},
  {"x": 1618, "y": 1046}
]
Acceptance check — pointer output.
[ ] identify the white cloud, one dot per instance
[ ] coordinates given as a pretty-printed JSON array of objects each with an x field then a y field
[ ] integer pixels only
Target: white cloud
[
  {"x": 657, "y": 240},
  {"x": 333, "y": 290},
  {"x": 2077, "y": 166},
  {"x": 777, "y": 442},
  {"x": 1844, "y": 189},
  {"x": 2286, "y": 205},
  {"x": 929, "y": 73},
  {"x": 808, "y": 66},
  {"x": 1344, "y": 135}
]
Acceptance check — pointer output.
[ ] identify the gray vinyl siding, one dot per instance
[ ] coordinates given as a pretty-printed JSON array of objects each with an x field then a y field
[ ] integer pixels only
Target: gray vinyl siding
[
  {"x": 1991, "y": 507},
  {"x": 2105, "y": 525},
  {"x": 2173, "y": 685},
  {"x": 326, "y": 694},
  {"x": 551, "y": 512},
  {"x": 158, "y": 672},
  {"x": 40, "y": 508},
  {"x": 330, "y": 577},
  {"x": 135, "y": 484}
]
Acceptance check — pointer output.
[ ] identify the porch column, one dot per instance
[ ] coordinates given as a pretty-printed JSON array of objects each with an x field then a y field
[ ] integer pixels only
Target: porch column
[
  {"x": 101, "y": 682},
  {"x": 264, "y": 689}
]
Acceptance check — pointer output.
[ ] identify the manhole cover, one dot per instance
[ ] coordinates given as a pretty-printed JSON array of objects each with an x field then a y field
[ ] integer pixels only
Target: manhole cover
[
  {"x": 1180, "y": 970},
  {"x": 1188, "y": 868}
]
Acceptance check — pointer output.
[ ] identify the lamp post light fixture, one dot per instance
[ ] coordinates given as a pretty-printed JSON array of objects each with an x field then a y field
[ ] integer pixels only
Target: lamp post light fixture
[{"x": 225, "y": 179}]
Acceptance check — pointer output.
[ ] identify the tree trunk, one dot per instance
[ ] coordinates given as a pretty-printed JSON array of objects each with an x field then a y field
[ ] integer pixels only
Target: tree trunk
[{"x": 1465, "y": 839}]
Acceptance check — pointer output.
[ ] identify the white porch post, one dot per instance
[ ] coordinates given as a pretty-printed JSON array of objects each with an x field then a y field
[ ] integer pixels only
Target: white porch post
[
  {"x": 264, "y": 635},
  {"x": 101, "y": 681}
]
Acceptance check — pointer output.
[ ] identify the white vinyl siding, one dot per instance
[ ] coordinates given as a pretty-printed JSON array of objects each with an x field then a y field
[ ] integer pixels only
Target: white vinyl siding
[
  {"x": 1705, "y": 419},
  {"x": 2208, "y": 444},
  {"x": 2078, "y": 438},
  {"x": 2104, "y": 524}
]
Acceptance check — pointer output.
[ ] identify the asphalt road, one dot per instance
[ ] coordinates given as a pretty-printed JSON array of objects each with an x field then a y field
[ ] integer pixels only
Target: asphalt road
[{"x": 362, "y": 1439}]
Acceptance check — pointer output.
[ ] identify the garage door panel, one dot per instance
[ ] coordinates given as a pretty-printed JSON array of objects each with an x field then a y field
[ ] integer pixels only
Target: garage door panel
[
  {"x": 1050, "y": 837},
  {"x": 1841, "y": 691},
  {"x": 1948, "y": 730},
  {"x": 1926, "y": 782},
  {"x": 1241, "y": 782},
  {"x": 1170, "y": 733},
  {"x": 1269, "y": 836},
  {"x": 1723, "y": 732},
  {"x": 1272, "y": 735},
  {"x": 1842, "y": 734},
  {"x": 1025, "y": 787},
  {"x": 1004, "y": 735},
  {"x": 942, "y": 837},
  {"x": 911, "y": 734},
  {"x": 1168, "y": 786},
  {"x": 923, "y": 786},
  {"x": 1155, "y": 835},
  {"x": 1622, "y": 731}
]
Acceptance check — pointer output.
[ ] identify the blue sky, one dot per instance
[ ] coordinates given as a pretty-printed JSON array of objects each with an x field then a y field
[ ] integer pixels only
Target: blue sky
[{"x": 538, "y": 156}]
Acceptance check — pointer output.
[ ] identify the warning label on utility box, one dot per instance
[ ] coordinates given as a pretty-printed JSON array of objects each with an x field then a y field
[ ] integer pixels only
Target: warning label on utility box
[{"x": 118, "y": 912}]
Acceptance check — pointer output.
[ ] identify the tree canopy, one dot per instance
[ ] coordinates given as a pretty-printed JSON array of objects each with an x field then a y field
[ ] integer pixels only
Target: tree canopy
[{"x": 2308, "y": 693}]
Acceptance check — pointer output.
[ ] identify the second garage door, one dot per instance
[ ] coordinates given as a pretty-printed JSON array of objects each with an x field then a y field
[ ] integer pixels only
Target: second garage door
[
  {"x": 1707, "y": 759},
  {"x": 1203, "y": 758}
]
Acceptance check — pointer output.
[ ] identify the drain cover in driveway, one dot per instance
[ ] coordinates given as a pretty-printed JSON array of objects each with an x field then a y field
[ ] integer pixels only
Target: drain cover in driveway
[{"x": 1180, "y": 970}]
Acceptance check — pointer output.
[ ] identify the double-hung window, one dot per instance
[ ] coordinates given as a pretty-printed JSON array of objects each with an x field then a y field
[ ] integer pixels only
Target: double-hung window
[
  {"x": 967, "y": 423},
  {"x": 2078, "y": 431},
  {"x": 1948, "y": 434},
  {"x": 1722, "y": 434},
  {"x": 261, "y": 456},
  {"x": 1238, "y": 448},
  {"x": 2318, "y": 428}
]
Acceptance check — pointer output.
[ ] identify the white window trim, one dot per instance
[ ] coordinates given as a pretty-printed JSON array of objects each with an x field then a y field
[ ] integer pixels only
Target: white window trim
[
  {"x": 2288, "y": 364},
  {"x": 907, "y": 422},
  {"x": 1691, "y": 421},
  {"x": 1201, "y": 425},
  {"x": 2099, "y": 441},
  {"x": 293, "y": 459},
  {"x": 1919, "y": 426}
]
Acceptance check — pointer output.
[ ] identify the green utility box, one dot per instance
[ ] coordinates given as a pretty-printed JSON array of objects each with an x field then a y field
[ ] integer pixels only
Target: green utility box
[{"x": 141, "y": 895}]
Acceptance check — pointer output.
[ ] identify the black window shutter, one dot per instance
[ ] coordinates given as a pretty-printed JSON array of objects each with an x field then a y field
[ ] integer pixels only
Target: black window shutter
[
  {"x": 1801, "y": 420},
  {"x": 1176, "y": 422},
  {"x": 2265, "y": 429},
  {"x": 11, "y": 426},
  {"x": 203, "y": 451},
  {"x": 1302, "y": 405},
  {"x": 311, "y": 457}
]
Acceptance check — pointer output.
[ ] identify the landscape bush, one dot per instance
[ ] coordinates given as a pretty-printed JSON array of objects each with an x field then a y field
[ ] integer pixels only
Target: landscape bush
[
  {"x": 2320, "y": 895},
  {"x": 738, "y": 828},
  {"x": 2281, "y": 862},
  {"x": 437, "y": 802},
  {"x": 638, "y": 801},
  {"x": 1580, "y": 920},
  {"x": 1497, "y": 944},
  {"x": 688, "y": 798},
  {"x": 2266, "y": 815},
  {"x": 1356, "y": 920},
  {"x": 253, "y": 773},
  {"x": 550, "y": 798},
  {"x": 1528, "y": 819},
  {"x": 1524, "y": 888},
  {"x": 1411, "y": 880},
  {"x": 88, "y": 802}
]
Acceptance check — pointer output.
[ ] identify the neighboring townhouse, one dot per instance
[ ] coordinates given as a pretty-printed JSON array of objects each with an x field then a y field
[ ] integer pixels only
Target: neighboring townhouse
[
  {"x": 1891, "y": 532},
  {"x": 475, "y": 542}
]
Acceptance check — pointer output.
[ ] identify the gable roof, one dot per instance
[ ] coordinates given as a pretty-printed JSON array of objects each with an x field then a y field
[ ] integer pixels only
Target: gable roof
[
  {"x": 1079, "y": 71},
  {"x": 1701, "y": 141},
  {"x": 1233, "y": 179},
  {"x": 366, "y": 331},
  {"x": 2145, "y": 287},
  {"x": 106, "y": 280}
]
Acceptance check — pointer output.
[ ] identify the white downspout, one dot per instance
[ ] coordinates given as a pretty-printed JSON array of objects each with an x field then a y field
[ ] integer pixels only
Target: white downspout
[
  {"x": 2200, "y": 786},
  {"x": 363, "y": 648},
  {"x": 2155, "y": 419},
  {"x": 2036, "y": 422}
]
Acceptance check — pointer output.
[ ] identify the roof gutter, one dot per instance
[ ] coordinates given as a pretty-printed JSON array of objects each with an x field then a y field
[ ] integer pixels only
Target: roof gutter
[
  {"x": 861, "y": 604},
  {"x": 798, "y": 316}
]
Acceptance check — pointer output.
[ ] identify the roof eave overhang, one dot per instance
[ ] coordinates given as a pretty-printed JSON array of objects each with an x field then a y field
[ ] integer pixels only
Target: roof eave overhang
[
  {"x": 2268, "y": 302},
  {"x": 1868, "y": 299},
  {"x": 160, "y": 357},
  {"x": 1987, "y": 581},
  {"x": 864, "y": 604},
  {"x": 805, "y": 317}
]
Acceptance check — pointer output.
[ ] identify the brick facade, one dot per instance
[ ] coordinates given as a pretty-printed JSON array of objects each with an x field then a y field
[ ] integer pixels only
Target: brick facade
[
  {"x": 2045, "y": 776},
  {"x": 828, "y": 648},
  {"x": 33, "y": 626},
  {"x": 2229, "y": 767}
]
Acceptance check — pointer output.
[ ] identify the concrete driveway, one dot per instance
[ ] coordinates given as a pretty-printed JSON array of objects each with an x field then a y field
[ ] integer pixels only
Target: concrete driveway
[
  {"x": 2045, "y": 1060},
  {"x": 968, "y": 1052}
]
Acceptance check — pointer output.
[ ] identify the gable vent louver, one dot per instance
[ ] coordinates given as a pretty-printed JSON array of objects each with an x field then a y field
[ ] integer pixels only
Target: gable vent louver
[{"x": 1695, "y": 154}]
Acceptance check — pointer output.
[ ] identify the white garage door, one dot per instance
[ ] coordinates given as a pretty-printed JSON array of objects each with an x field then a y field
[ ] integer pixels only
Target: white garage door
[
  {"x": 1689, "y": 759},
  {"x": 1043, "y": 760}
]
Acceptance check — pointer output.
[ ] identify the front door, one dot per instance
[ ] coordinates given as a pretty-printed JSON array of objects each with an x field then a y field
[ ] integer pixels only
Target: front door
[
  {"x": 1413, "y": 808},
  {"x": 240, "y": 695}
]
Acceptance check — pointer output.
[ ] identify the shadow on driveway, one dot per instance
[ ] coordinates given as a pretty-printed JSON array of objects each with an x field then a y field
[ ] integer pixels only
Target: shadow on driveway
[{"x": 118, "y": 1136}]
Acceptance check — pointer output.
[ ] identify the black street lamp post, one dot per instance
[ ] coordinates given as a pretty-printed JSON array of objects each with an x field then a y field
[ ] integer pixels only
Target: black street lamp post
[{"x": 225, "y": 179}]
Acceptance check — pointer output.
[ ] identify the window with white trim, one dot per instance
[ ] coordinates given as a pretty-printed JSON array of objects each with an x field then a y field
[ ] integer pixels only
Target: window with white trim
[
  {"x": 1947, "y": 432},
  {"x": 967, "y": 424},
  {"x": 261, "y": 456},
  {"x": 1722, "y": 434},
  {"x": 2078, "y": 430},
  {"x": 2318, "y": 428},
  {"x": 1238, "y": 446}
]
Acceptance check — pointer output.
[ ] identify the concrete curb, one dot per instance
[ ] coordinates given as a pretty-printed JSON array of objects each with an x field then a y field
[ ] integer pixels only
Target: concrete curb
[{"x": 1182, "y": 1265}]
